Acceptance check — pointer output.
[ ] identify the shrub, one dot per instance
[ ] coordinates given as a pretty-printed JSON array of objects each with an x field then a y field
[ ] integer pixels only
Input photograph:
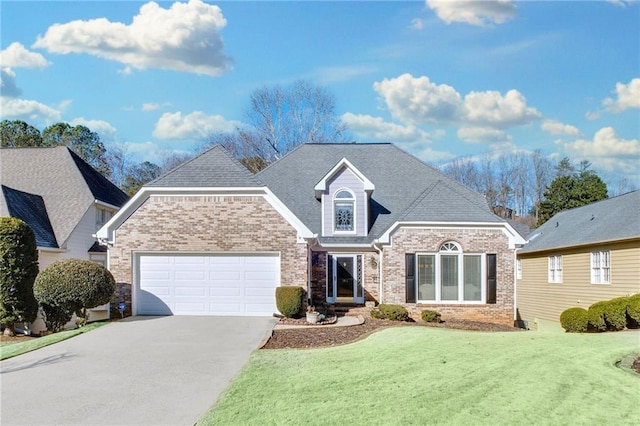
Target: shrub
[
  {"x": 596, "y": 316},
  {"x": 575, "y": 320},
  {"x": 72, "y": 285},
  {"x": 430, "y": 316},
  {"x": 18, "y": 270},
  {"x": 390, "y": 312},
  {"x": 289, "y": 300},
  {"x": 615, "y": 313},
  {"x": 633, "y": 311}
]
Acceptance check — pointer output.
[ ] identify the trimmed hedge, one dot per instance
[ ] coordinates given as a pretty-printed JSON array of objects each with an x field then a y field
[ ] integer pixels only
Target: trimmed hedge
[
  {"x": 430, "y": 316},
  {"x": 633, "y": 311},
  {"x": 71, "y": 286},
  {"x": 596, "y": 316},
  {"x": 575, "y": 320},
  {"x": 615, "y": 313},
  {"x": 390, "y": 312},
  {"x": 289, "y": 300}
]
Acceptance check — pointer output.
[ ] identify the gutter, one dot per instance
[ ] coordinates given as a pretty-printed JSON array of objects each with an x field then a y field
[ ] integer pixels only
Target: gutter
[{"x": 380, "y": 269}]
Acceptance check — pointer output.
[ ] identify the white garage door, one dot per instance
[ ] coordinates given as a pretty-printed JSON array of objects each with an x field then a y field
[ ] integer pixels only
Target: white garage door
[{"x": 207, "y": 285}]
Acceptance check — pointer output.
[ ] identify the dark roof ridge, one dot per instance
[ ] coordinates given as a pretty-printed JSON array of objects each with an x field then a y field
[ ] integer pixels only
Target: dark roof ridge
[
  {"x": 418, "y": 200},
  {"x": 101, "y": 188}
]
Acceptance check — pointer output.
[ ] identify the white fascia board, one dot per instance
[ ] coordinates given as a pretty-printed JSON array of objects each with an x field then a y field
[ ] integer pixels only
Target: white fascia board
[
  {"x": 107, "y": 205},
  {"x": 107, "y": 232},
  {"x": 322, "y": 185},
  {"x": 345, "y": 245},
  {"x": 514, "y": 238}
]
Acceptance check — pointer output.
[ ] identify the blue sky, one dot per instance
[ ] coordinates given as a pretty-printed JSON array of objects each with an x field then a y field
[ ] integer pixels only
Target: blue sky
[{"x": 441, "y": 79}]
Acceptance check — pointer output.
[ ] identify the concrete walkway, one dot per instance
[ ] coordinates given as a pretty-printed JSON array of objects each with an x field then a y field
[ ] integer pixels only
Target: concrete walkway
[
  {"x": 139, "y": 371},
  {"x": 344, "y": 321}
]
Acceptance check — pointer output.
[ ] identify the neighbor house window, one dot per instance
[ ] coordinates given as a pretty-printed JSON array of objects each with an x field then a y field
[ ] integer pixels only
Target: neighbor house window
[
  {"x": 102, "y": 216},
  {"x": 601, "y": 267},
  {"x": 450, "y": 276},
  {"x": 343, "y": 211},
  {"x": 555, "y": 269}
]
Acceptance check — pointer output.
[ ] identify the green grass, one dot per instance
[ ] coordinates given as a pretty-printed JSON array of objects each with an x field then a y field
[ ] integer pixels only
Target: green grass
[
  {"x": 422, "y": 375},
  {"x": 8, "y": 350}
]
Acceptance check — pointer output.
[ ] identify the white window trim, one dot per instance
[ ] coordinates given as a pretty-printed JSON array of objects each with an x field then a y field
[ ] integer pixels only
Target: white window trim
[
  {"x": 598, "y": 271},
  {"x": 438, "y": 277},
  {"x": 554, "y": 269},
  {"x": 351, "y": 200}
]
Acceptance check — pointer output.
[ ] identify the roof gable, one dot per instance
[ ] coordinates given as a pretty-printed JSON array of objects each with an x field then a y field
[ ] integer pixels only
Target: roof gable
[
  {"x": 30, "y": 209},
  {"x": 62, "y": 179},
  {"x": 215, "y": 167},
  {"x": 616, "y": 218},
  {"x": 338, "y": 168}
]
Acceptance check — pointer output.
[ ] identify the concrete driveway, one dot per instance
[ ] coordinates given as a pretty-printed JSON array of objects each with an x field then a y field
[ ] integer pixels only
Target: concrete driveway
[{"x": 139, "y": 371}]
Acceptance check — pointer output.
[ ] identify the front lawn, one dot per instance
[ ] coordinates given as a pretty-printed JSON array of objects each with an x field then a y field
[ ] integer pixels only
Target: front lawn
[
  {"x": 10, "y": 349},
  {"x": 422, "y": 375}
]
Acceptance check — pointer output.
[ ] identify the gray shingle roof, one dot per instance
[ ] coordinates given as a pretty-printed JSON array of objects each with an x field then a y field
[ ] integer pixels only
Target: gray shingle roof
[
  {"x": 30, "y": 209},
  {"x": 616, "y": 218},
  {"x": 213, "y": 168},
  {"x": 401, "y": 181},
  {"x": 62, "y": 179}
]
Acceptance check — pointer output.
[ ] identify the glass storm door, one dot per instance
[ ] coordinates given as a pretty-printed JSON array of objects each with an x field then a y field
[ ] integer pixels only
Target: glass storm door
[{"x": 346, "y": 286}]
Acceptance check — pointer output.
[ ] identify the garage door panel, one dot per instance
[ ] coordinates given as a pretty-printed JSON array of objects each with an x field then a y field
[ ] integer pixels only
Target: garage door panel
[{"x": 207, "y": 285}]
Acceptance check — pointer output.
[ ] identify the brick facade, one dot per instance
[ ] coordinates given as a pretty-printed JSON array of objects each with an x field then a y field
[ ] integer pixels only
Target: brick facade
[
  {"x": 414, "y": 240},
  {"x": 206, "y": 224}
]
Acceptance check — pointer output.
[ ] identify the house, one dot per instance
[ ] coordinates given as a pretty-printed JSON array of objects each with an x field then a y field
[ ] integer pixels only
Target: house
[
  {"x": 64, "y": 201},
  {"x": 351, "y": 223},
  {"x": 579, "y": 257}
]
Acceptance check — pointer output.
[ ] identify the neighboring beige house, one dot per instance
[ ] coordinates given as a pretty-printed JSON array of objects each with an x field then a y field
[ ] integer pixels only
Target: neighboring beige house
[
  {"x": 351, "y": 223},
  {"x": 63, "y": 199},
  {"x": 579, "y": 257}
]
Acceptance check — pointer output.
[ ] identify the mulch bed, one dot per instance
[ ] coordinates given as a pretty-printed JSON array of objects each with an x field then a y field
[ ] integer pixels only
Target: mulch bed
[{"x": 315, "y": 337}]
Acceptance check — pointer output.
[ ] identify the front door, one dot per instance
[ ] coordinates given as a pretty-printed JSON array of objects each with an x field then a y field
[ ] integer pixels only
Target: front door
[{"x": 345, "y": 285}]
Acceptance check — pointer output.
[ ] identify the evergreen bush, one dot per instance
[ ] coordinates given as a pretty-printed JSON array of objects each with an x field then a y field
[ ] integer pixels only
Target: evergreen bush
[
  {"x": 72, "y": 286},
  {"x": 289, "y": 300},
  {"x": 575, "y": 320},
  {"x": 633, "y": 311},
  {"x": 430, "y": 316},
  {"x": 596, "y": 316},
  {"x": 390, "y": 312}
]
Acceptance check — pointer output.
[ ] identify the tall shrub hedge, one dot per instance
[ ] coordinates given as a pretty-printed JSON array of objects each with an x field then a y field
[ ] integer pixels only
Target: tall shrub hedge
[
  {"x": 18, "y": 270},
  {"x": 575, "y": 320}
]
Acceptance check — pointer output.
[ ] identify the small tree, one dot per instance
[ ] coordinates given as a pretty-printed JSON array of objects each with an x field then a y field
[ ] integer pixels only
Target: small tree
[
  {"x": 72, "y": 285},
  {"x": 18, "y": 270}
]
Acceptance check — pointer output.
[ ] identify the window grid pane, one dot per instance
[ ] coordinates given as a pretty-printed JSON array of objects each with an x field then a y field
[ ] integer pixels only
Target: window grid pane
[
  {"x": 449, "y": 277},
  {"x": 472, "y": 278},
  {"x": 426, "y": 278}
]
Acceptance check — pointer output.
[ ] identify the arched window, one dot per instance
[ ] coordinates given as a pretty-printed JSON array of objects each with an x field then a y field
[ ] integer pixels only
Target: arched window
[{"x": 344, "y": 211}]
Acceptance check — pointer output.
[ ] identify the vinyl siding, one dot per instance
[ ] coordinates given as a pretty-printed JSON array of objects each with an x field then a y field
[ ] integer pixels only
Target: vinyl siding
[
  {"x": 345, "y": 179},
  {"x": 539, "y": 300}
]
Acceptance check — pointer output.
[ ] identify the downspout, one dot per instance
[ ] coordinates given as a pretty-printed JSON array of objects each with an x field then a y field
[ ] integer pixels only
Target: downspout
[
  {"x": 379, "y": 250},
  {"x": 515, "y": 286},
  {"x": 309, "y": 266}
]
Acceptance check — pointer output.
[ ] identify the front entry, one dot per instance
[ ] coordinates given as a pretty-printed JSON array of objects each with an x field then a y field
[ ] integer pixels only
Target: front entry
[{"x": 344, "y": 284}]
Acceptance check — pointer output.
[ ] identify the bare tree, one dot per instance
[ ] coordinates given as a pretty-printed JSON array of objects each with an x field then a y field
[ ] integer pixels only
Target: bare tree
[{"x": 542, "y": 171}]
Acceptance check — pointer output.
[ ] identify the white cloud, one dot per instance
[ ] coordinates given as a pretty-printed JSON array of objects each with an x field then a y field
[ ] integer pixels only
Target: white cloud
[
  {"x": 557, "y": 128},
  {"x": 622, "y": 3},
  {"x": 607, "y": 151},
  {"x": 482, "y": 135},
  {"x": 473, "y": 12},
  {"x": 420, "y": 101},
  {"x": 184, "y": 37},
  {"x": 152, "y": 106},
  {"x": 628, "y": 96},
  {"x": 494, "y": 109},
  {"x": 107, "y": 132},
  {"x": 17, "y": 56},
  {"x": 194, "y": 126},
  {"x": 8, "y": 86},
  {"x": 369, "y": 128},
  {"x": 28, "y": 110},
  {"x": 329, "y": 75}
]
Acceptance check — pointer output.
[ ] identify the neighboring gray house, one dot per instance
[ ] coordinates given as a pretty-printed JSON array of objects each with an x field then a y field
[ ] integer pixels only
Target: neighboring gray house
[
  {"x": 348, "y": 222},
  {"x": 63, "y": 199},
  {"x": 579, "y": 257}
]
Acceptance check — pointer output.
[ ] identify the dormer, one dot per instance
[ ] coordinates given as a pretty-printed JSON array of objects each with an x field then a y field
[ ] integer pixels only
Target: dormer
[{"x": 344, "y": 193}]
